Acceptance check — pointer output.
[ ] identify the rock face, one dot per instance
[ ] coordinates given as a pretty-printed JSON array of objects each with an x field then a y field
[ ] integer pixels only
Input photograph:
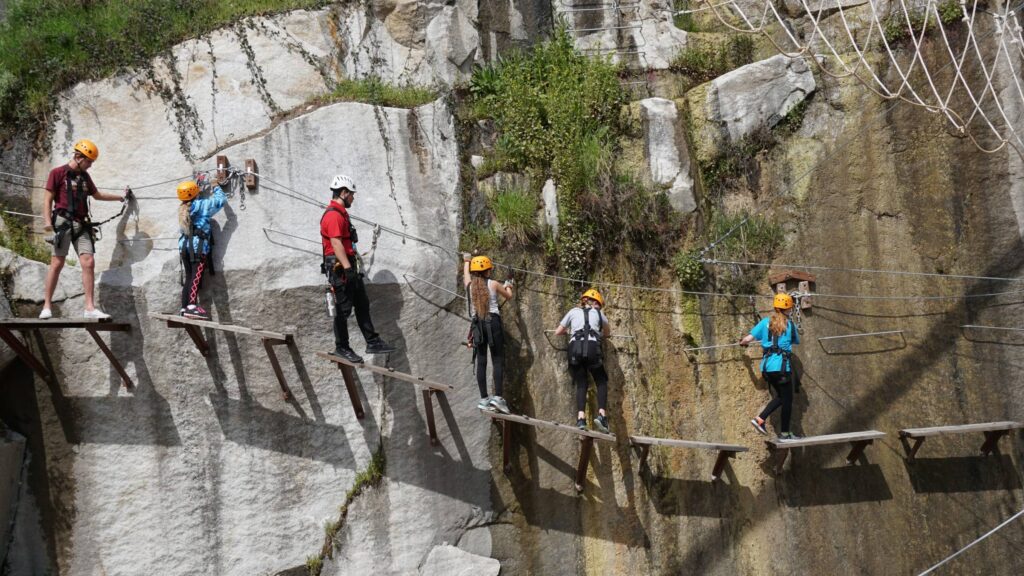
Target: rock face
[
  {"x": 204, "y": 469},
  {"x": 747, "y": 99},
  {"x": 12, "y": 451},
  {"x": 639, "y": 34},
  {"x": 667, "y": 155}
]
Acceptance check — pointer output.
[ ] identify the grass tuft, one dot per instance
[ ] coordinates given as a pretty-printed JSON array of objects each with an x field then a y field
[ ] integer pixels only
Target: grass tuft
[
  {"x": 374, "y": 90},
  {"x": 17, "y": 237}
]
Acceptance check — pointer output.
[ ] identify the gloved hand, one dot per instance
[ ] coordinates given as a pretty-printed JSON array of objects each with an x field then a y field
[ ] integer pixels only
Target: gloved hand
[
  {"x": 351, "y": 275},
  {"x": 466, "y": 256},
  {"x": 509, "y": 283}
]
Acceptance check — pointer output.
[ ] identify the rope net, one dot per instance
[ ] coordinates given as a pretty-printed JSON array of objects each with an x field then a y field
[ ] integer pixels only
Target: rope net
[{"x": 958, "y": 58}]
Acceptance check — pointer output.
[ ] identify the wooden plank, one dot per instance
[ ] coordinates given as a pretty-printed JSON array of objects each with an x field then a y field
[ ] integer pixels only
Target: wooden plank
[
  {"x": 959, "y": 429},
  {"x": 825, "y": 439},
  {"x": 723, "y": 457},
  {"x": 991, "y": 439},
  {"x": 390, "y": 372},
  {"x": 519, "y": 419},
  {"x": 173, "y": 320},
  {"x": 428, "y": 406},
  {"x": 268, "y": 345},
  {"x": 197, "y": 338},
  {"x": 102, "y": 324},
  {"x": 647, "y": 440},
  {"x": 113, "y": 359}
]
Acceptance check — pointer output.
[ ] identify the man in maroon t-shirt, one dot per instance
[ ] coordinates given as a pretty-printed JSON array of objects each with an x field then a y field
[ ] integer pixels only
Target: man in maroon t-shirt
[
  {"x": 338, "y": 236},
  {"x": 66, "y": 213}
]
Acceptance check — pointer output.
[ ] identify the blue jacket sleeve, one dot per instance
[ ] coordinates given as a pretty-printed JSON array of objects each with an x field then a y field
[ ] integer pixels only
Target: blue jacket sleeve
[{"x": 210, "y": 206}]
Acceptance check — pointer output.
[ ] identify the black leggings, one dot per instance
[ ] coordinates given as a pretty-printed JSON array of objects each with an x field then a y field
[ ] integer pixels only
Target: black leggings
[
  {"x": 579, "y": 378},
  {"x": 494, "y": 340},
  {"x": 782, "y": 383}
]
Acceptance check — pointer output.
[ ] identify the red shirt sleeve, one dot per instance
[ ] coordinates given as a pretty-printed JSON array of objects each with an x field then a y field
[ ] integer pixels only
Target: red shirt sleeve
[{"x": 54, "y": 180}]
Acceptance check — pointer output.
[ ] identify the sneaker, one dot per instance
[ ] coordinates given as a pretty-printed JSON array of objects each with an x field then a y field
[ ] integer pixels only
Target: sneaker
[
  {"x": 485, "y": 404},
  {"x": 379, "y": 346},
  {"x": 581, "y": 424},
  {"x": 181, "y": 312},
  {"x": 196, "y": 312},
  {"x": 96, "y": 314},
  {"x": 45, "y": 314},
  {"x": 348, "y": 354},
  {"x": 788, "y": 437},
  {"x": 499, "y": 403},
  {"x": 601, "y": 424},
  {"x": 758, "y": 424}
]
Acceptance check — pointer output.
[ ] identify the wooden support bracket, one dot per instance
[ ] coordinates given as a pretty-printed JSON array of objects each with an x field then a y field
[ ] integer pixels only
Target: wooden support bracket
[
  {"x": 428, "y": 406},
  {"x": 586, "y": 447},
  {"x": 723, "y": 457},
  {"x": 643, "y": 450},
  {"x": 113, "y": 359},
  {"x": 991, "y": 439},
  {"x": 195, "y": 334},
  {"x": 268, "y": 345},
  {"x": 857, "y": 448},
  {"x": 506, "y": 445},
  {"x": 779, "y": 456},
  {"x": 911, "y": 450},
  {"x": 25, "y": 354},
  {"x": 353, "y": 393}
]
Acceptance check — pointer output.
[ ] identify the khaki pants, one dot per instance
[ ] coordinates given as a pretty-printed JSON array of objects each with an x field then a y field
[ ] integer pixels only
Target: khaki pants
[{"x": 83, "y": 244}]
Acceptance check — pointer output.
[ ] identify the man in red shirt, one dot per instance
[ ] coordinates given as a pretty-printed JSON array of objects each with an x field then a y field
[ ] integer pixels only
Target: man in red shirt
[
  {"x": 338, "y": 236},
  {"x": 66, "y": 212}
]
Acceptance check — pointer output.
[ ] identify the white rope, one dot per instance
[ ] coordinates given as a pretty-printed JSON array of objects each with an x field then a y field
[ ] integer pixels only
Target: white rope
[{"x": 979, "y": 539}]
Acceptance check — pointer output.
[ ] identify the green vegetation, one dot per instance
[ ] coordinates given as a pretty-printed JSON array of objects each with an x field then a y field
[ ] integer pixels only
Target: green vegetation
[
  {"x": 756, "y": 240},
  {"x": 689, "y": 270},
  {"x": 17, "y": 237},
  {"x": 705, "y": 61},
  {"x": 558, "y": 115},
  {"x": 364, "y": 480},
  {"x": 685, "y": 20},
  {"x": 478, "y": 237},
  {"x": 49, "y": 45},
  {"x": 373, "y": 90},
  {"x": 895, "y": 25},
  {"x": 515, "y": 216}
]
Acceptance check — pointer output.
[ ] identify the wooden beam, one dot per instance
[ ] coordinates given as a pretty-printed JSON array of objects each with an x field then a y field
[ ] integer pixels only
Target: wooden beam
[
  {"x": 506, "y": 444},
  {"x": 197, "y": 338},
  {"x": 102, "y": 324},
  {"x": 176, "y": 321},
  {"x": 390, "y": 373},
  {"x": 268, "y": 345},
  {"x": 586, "y": 446},
  {"x": 991, "y": 439},
  {"x": 25, "y": 354},
  {"x": 428, "y": 405},
  {"x": 720, "y": 462},
  {"x": 353, "y": 392},
  {"x": 251, "y": 173},
  {"x": 113, "y": 359},
  {"x": 857, "y": 448},
  {"x": 521, "y": 419}
]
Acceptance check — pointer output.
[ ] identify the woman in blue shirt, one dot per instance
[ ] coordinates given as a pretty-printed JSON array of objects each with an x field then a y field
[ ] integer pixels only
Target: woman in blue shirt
[
  {"x": 777, "y": 335},
  {"x": 196, "y": 240}
]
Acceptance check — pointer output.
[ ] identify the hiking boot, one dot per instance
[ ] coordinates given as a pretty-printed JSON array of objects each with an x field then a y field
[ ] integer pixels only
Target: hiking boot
[
  {"x": 758, "y": 424},
  {"x": 196, "y": 312},
  {"x": 485, "y": 404},
  {"x": 581, "y": 424},
  {"x": 379, "y": 346},
  {"x": 601, "y": 424},
  {"x": 348, "y": 354},
  {"x": 500, "y": 405},
  {"x": 45, "y": 314}
]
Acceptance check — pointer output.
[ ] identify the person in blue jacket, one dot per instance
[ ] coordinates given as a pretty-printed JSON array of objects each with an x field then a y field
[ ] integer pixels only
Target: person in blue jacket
[
  {"x": 777, "y": 335},
  {"x": 196, "y": 240}
]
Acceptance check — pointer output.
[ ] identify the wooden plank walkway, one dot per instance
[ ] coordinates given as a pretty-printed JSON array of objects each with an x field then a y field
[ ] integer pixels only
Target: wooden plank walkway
[
  {"x": 993, "y": 431},
  {"x": 270, "y": 339},
  {"x": 858, "y": 441},
  {"x": 428, "y": 387},
  {"x": 91, "y": 325},
  {"x": 586, "y": 437},
  {"x": 725, "y": 451}
]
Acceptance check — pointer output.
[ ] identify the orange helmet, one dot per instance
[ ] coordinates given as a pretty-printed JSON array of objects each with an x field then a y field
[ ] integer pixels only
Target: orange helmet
[
  {"x": 783, "y": 301},
  {"x": 480, "y": 264},
  {"x": 88, "y": 149},
  {"x": 594, "y": 295},
  {"x": 187, "y": 190}
]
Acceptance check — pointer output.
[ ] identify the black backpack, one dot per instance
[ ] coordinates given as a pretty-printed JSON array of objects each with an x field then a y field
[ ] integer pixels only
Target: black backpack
[{"x": 583, "y": 351}]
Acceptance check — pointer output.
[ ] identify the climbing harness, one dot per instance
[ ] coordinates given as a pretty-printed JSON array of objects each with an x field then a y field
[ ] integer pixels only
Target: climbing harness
[{"x": 583, "y": 350}]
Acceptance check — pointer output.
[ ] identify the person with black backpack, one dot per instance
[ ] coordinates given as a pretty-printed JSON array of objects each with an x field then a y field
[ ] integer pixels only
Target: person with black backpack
[
  {"x": 777, "y": 335},
  {"x": 587, "y": 326},
  {"x": 486, "y": 332}
]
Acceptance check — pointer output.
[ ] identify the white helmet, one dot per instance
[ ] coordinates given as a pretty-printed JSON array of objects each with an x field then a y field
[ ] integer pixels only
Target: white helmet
[{"x": 341, "y": 181}]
